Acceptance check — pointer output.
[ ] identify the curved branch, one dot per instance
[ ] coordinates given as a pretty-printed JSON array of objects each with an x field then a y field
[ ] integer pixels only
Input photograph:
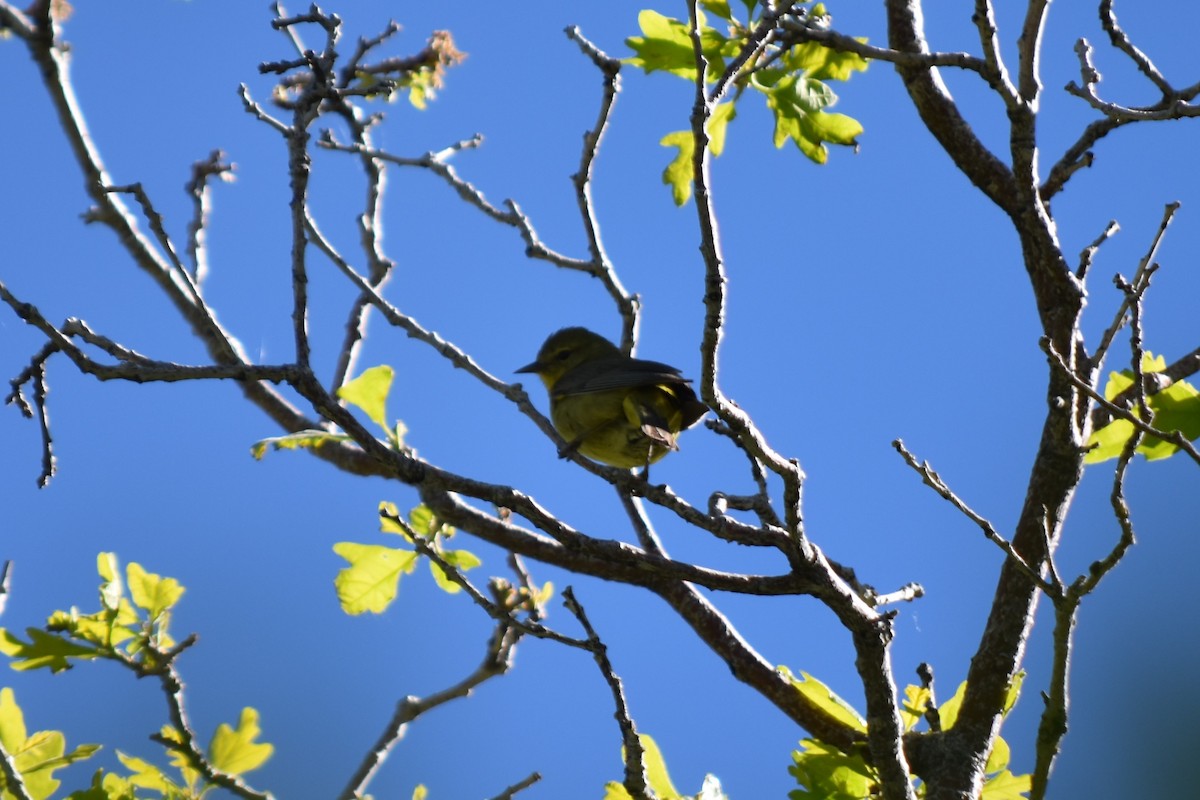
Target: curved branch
[{"x": 940, "y": 113}]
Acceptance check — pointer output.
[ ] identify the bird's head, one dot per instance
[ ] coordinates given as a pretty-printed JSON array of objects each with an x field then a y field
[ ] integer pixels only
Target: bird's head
[{"x": 567, "y": 349}]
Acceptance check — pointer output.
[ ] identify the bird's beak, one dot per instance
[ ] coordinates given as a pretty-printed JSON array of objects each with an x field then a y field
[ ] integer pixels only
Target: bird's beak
[{"x": 533, "y": 366}]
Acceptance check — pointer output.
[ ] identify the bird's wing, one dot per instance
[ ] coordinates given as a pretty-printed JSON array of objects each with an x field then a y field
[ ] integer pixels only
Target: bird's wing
[{"x": 617, "y": 373}]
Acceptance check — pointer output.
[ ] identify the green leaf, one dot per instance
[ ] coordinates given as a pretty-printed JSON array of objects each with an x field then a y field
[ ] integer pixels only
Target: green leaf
[
  {"x": 719, "y": 8},
  {"x": 948, "y": 711},
  {"x": 154, "y": 593},
  {"x": 148, "y": 776},
  {"x": 614, "y": 790},
  {"x": 678, "y": 174},
  {"x": 826, "y": 773},
  {"x": 111, "y": 589},
  {"x": 1014, "y": 692},
  {"x": 235, "y": 751},
  {"x": 718, "y": 123},
  {"x": 423, "y": 521},
  {"x": 462, "y": 559},
  {"x": 797, "y": 103},
  {"x": 1006, "y": 786},
  {"x": 12, "y": 721},
  {"x": 43, "y": 650},
  {"x": 823, "y": 697},
  {"x": 999, "y": 757},
  {"x": 306, "y": 440},
  {"x": 656, "y": 769},
  {"x": 105, "y": 629},
  {"x": 372, "y": 580},
  {"x": 108, "y": 786},
  {"x": 1176, "y": 408},
  {"x": 665, "y": 44},
  {"x": 824, "y": 64},
  {"x": 912, "y": 710},
  {"x": 35, "y": 757},
  {"x": 369, "y": 391}
]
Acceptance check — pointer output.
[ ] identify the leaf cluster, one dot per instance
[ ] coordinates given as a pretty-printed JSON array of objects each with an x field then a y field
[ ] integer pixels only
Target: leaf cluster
[
  {"x": 824, "y": 772},
  {"x": 131, "y": 628},
  {"x": 793, "y": 79},
  {"x": 1175, "y": 408},
  {"x": 372, "y": 580}
]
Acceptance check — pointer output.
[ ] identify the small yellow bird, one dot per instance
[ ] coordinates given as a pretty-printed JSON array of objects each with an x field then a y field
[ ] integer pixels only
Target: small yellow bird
[{"x": 621, "y": 411}]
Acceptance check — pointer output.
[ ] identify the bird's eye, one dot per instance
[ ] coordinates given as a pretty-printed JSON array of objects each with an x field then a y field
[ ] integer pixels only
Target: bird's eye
[{"x": 562, "y": 355}]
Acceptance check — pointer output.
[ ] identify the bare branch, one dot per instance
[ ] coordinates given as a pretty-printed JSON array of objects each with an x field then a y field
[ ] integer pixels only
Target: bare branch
[
  {"x": 985, "y": 22},
  {"x": 804, "y": 31},
  {"x": 1139, "y": 283},
  {"x": 199, "y": 189},
  {"x": 1088, "y": 253},
  {"x": 520, "y": 786},
  {"x": 635, "y": 768},
  {"x": 747, "y": 434},
  {"x": 13, "y": 19},
  {"x": 1030, "y": 48},
  {"x": 934, "y": 481},
  {"x": 1119, "y": 39},
  {"x": 160, "y": 233},
  {"x": 5, "y": 584},
  {"x": 628, "y": 305},
  {"x": 1173, "y": 103},
  {"x": 496, "y": 662}
]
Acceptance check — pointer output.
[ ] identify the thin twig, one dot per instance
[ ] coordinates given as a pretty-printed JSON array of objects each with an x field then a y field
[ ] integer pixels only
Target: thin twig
[
  {"x": 496, "y": 662},
  {"x": 934, "y": 481},
  {"x": 496, "y": 611},
  {"x": 155, "y": 221},
  {"x": 985, "y": 23},
  {"x": 199, "y": 189},
  {"x": 635, "y": 754},
  {"x": 520, "y": 786},
  {"x": 627, "y": 305},
  {"x": 747, "y": 434},
  {"x": 1089, "y": 253},
  {"x": 1118, "y": 322}
]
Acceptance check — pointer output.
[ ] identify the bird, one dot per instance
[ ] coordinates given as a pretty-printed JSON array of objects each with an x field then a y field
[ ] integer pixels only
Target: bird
[{"x": 621, "y": 411}]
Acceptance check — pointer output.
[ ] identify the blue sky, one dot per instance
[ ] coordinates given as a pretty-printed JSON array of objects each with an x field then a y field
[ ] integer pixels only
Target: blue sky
[{"x": 877, "y": 297}]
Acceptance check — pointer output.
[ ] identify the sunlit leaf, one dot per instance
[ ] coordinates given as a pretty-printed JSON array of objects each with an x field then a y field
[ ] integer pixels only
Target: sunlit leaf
[
  {"x": 912, "y": 710},
  {"x": 372, "y": 580},
  {"x": 154, "y": 593},
  {"x": 301, "y": 440},
  {"x": 147, "y": 775},
  {"x": 43, "y": 650},
  {"x": 665, "y": 44},
  {"x": 235, "y": 751},
  {"x": 824, "y": 698},
  {"x": 1006, "y": 786},
  {"x": 718, "y": 123},
  {"x": 369, "y": 391},
  {"x": 678, "y": 174},
  {"x": 826, "y": 773}
]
